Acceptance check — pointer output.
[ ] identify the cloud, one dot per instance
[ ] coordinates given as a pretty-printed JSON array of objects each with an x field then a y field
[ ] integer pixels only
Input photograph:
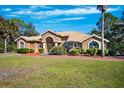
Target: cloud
[
  {"x": 74, "y": 18},
  {"x": 74, "y": 11},
  {"x": 57, "y": 12},
  {"x": 113, "y": 9},
  {"x": 12, "y": 15},
  {"x": 77, "y": 11},
  {"x": 23, "y": 12},
  {"x": 40, "y": 6},
  {"x": 6, "y": 9}
]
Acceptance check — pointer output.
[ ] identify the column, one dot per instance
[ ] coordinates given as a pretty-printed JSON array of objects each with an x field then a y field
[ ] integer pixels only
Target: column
[
  {"x": 36, "y": 47},
  {"x": 44, "y": 46},
  {"x": 56, "y": 44}
]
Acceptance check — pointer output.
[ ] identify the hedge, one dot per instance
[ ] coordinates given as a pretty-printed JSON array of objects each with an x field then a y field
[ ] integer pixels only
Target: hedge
[
  {"x": 32, "y": 50},
  {"x": 57, "y": 50},
  {"x": 41, "y": 50},
  {"x": 106, "y": 51},
  {"x": 91, "y": 51},
  {"x": 25, "y": 50},
  {"x": 74, "y": 52},
  {"x": 95, "y": 51},
  {"x": 82, "y": 51}
]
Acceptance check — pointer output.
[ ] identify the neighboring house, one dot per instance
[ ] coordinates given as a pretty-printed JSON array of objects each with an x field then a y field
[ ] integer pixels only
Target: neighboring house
[{"x": 68, "y": 39}]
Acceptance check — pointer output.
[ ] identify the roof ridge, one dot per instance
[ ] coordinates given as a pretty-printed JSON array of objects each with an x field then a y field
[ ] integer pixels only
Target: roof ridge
[{"x": 75, "y": 32}]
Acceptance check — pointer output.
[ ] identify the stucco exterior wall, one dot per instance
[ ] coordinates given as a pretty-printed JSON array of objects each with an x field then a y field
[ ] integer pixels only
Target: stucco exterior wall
[
  {"x": 85, "y": 44},
  {"x": 31, "y": 45},
  {"x": 55, "y": 37},
  {"x": 21, "y": 40},
  {"x": 57, "y": 40}
]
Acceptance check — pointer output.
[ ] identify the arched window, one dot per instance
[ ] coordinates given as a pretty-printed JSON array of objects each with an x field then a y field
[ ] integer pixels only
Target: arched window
[
  {"x": 93, "y": 44},
  {"x": 22, "y": 45}
]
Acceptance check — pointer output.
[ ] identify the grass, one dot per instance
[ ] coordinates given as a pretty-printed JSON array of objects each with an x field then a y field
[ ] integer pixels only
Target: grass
[{"x": 25, "y": 71}]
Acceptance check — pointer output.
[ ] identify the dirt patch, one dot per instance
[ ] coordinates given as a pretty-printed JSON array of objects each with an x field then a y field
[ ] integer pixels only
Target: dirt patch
[{"x": 6, "y": 73}]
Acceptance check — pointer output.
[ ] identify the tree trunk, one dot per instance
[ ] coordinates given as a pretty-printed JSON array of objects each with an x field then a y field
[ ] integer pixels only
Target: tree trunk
[
  {"x": 102, "y": 43},
  {"x": 5, "y": 45}
]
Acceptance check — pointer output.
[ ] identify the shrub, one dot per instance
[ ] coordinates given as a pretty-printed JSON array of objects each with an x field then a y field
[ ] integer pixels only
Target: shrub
[
  {"x": 99, "y": 52},
  {"x": 121, "y": 53},
  {"x": 1, "y": 46},
  {"x": 58, "y": 50},
  {"x": 23, "y": 50},
  {"x": 41, "y": 50},
  {"x": 106, "y": 52},
  {"x": 120, "y": 49},
  {"x": 1, "y": 50},
  {"x": 31, "y": 50},
  {"x": 95, "y": 51},
  {"x": 82, "y": 51},
  {"x": 112, "y": 52},
  {"x": 11, "y": 48},
  {"x": 90, "y": 51},
  {"x": 74, "y": 52}
]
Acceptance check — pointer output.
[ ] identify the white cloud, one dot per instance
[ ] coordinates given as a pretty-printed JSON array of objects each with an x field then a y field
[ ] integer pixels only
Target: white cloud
[
  {"x": 57, "y": 12},
  {"x": 39, "y": 6},
  {"x": 23, "y": 12},
  {"x": 113, "y": 9},
  {"x": 74, "y": 18},
  {"x": 74, "y": 11},
  {"x": 12, "y": 15},
  {"x": 6, "y": 9}
]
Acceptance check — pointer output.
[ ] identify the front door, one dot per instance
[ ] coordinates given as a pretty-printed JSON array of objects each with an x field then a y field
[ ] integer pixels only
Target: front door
[{"x": 50, "y": 43}]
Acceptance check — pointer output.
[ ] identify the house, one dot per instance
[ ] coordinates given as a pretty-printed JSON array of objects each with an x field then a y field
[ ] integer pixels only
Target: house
[{"x": 68, "y": 39}]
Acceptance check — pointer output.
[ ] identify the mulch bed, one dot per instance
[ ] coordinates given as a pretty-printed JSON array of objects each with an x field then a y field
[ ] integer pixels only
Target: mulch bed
[
  {"x": 32, "y": 54},
  {"x": 109, "y": 58}
]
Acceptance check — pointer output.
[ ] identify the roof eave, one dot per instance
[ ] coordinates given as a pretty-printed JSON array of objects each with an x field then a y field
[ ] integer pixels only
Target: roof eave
[{"x": 97, "y": 37}]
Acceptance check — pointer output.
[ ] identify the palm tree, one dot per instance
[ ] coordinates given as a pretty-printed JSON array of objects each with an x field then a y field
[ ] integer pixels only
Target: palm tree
[{"x": 102, "y": 8}]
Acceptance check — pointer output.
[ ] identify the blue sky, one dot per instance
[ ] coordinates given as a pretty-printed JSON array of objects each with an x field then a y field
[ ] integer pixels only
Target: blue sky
[{"x": 81, "y": 18}]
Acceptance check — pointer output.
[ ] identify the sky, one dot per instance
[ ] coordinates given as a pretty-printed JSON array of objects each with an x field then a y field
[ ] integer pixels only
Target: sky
[{"x": 58, "y": 18}]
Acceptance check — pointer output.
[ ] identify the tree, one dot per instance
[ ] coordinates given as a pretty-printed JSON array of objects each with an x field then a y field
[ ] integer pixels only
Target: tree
[
  {"x": 122, "y": 18},
  {"x": 109, "y": 20},
  {"x": 95, "y": 31},
  {"x": 102, "y": 8},
  {"x": 30, "y": 30},
  {"x": 117, "y": 39},
  {"x": 9, "y": 30},
  {"x": 113, "y": 31},
  {"x": 12, "y": 28}
]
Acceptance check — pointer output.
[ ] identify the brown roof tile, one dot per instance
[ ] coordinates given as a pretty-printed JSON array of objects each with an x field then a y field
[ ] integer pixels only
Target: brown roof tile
[{"x": 74, "y": 36}]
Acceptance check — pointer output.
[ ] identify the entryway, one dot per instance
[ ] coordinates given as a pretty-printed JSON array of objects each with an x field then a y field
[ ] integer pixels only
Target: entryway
[{"x": 49, "y": 43}]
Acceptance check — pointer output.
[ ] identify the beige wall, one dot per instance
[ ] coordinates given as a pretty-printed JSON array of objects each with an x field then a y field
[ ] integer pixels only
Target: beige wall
[
  {"x": 32, "y": 45},
  {"x": 26, "y": 43},
  {"x": 86, "y": 42},
  {"x": 35, "y": 44},
  {"x": 55, "y": 37}
]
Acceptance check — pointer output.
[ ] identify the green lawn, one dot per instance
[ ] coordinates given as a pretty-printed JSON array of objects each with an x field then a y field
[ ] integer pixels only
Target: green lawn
[{"x": 27, "y": 71}]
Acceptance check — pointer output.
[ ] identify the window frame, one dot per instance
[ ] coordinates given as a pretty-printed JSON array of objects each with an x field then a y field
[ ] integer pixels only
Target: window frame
[{"x": 96, "y": 42}]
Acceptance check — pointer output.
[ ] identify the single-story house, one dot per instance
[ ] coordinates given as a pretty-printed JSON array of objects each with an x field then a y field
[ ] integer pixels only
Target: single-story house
[{"x": 68, "y": 39}]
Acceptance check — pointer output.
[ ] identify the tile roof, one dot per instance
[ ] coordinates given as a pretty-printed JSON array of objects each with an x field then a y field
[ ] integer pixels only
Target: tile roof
[
  {"x": 74, "y": 36},
  {"x": 71, "y": 36},
  {"x": 32, "y": 38}
]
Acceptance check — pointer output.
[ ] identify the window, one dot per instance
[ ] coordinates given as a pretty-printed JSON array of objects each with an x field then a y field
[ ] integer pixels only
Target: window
[
  {"x": 93, "y": 44},
  {"x": 22, "y": 45},
  {"x": 41, "y": 45}
]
